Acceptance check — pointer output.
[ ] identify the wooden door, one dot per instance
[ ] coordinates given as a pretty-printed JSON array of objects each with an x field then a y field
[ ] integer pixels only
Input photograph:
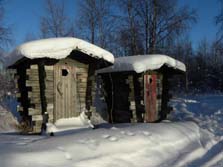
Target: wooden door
[
  {"x": 65, "y": 90},
  {"x": 150, "y": 97}
]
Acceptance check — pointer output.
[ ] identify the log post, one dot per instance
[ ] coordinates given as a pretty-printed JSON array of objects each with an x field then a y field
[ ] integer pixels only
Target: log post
[
  {"x": 42, "y": 76},
  {"x": 89, "y": 98}
]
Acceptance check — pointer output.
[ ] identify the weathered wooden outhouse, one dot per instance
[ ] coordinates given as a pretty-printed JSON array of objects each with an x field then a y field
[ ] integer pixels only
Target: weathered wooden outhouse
[
  {"x": 135, "y": 88},
  {"x": 56, "y": 79}
]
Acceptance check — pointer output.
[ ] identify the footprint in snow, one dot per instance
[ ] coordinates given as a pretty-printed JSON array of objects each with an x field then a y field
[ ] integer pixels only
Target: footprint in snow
[
  {"x": 61, "y": 149},
  {"x": 105, "y": 136},
  {"x": 92, "y": 144},
  {"x": 83, "y": 141},
  {"x": 123, "y": 132},
  {"x": 24, "y": 138},
  {"x": 92, "y": 141},
  {"x": 110, "y": 138},
  {"x": 21, "y": 143},
  {"x": 113, "y": 128},
  {"x": 146, "y": 133},
  {"x": 113, "y": 138},
  {"x": 130, "y": 133},
  {"x": 67, "y": 155}
]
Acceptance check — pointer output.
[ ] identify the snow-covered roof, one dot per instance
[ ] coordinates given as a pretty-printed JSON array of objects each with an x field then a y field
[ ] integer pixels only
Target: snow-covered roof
[
  {"x": 58, "y": 48},
  {"x": 143, "y": 63}
]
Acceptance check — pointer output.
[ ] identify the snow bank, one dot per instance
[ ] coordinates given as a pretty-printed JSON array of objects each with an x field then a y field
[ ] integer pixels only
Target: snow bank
[
  {"x": 8, "y": 122},
  {"x": 143, "y": 63},
  {"x": 58, "y": 48}
]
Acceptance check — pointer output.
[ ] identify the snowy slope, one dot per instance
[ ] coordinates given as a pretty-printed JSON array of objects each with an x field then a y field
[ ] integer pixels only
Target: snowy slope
[
  {"x": 58, "y": 48},
  {"x": 143, "y": 63}
]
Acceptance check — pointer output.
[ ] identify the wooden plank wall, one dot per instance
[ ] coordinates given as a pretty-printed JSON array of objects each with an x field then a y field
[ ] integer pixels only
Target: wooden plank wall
[
  {"x": 165, "y": 97},
  {"x": 159, "y": 90},
  {"x": 22, "y": 97},
  {"x": 49, "y": 92},
  {"x": 136, "y": 97},
  {"x": 82, "y": 75},
  {"x": 91, "y": 89},
  {"x": 139, "y": 97},
  {"x": 18, "y": 93},
  {"x": 93, "y": 93},
  {"x": 132, "y": 99},
  {"x": 35, "y": 110}
]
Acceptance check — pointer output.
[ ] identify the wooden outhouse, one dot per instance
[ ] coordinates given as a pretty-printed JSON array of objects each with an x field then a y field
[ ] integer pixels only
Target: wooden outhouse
[
  {"x": 55, "y": 79},
  {"x": 135, "y": 88}
]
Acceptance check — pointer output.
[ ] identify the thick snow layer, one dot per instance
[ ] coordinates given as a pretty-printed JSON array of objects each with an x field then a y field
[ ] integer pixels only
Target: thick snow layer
[
  {"x": 69, "y": 124},
  {"x": 143, "y": 63},
  {"x": 58, "y": 48}
]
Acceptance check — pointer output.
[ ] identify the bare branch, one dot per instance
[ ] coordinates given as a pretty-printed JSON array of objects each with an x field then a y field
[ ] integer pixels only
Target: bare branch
[{"x": 55, "y": 23}]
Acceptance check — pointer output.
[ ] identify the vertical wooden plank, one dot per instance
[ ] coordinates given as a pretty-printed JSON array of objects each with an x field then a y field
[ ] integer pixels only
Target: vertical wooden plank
[
  {"x": 74, "y": 92},
  {"x": 159, "y": 90},
  {"x": 56, "y": 97},
  {"x": 65, "y": 89},
  {"x": 132, "y": 99},
  {"x": 42, "y": 86},
  {"x": 165, "y": 109},
  {"x": 150, "y": 96}
]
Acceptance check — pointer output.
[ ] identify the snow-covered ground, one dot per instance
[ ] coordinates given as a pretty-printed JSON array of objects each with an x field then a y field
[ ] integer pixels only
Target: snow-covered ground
[{"x": 170, "y": 143}]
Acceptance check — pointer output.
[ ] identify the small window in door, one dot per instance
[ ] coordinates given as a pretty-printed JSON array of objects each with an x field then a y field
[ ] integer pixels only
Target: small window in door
[{"x": 65, "y": 72}]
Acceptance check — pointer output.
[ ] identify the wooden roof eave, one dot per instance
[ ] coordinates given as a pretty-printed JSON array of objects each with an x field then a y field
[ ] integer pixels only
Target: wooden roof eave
[{"x": 164, "y": 69}]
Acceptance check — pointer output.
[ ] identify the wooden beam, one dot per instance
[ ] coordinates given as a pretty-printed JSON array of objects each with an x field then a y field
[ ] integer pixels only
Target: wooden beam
[{"x": 32, "y": 111}]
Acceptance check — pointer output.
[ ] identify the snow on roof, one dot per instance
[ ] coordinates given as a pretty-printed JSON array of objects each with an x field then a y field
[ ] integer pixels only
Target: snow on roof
[
  {"x": 58, "y": 48},
  {"x": 143, "y": 63}
]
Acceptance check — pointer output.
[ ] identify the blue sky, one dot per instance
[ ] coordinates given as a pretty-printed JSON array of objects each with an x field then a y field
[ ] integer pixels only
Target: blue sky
[
  {"x": 205, "y": 27},
  {"x": 23, "y": 16}
]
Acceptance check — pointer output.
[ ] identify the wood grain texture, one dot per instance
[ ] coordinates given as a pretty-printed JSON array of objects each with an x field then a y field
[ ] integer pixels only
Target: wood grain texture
[{"x": 65, "y": 89}]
